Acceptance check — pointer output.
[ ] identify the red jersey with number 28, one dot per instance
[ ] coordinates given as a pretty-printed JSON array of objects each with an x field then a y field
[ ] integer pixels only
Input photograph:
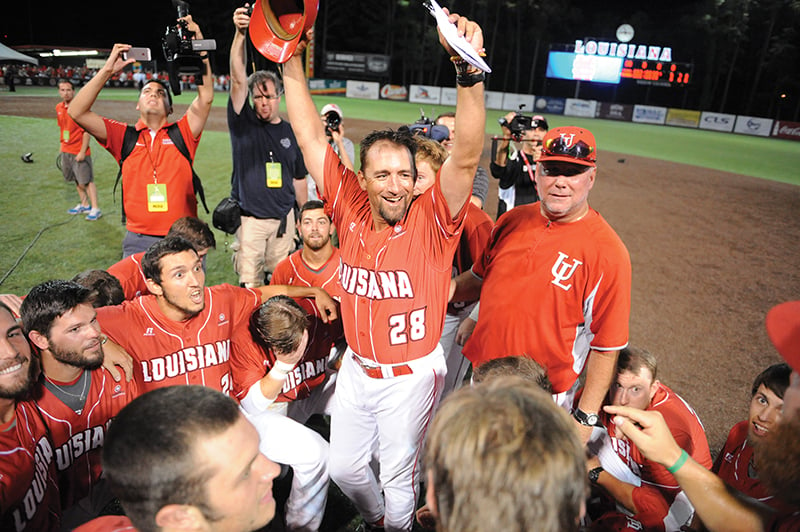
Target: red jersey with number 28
[
  {"x": 395, "y": 282},
  {"x": 195, "y": 351}
]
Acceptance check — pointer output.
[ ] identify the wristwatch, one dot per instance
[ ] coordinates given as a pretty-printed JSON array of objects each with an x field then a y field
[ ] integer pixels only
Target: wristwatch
[
  {"x": 588, "y": 419},
  {"x": 594, "y": 474}
]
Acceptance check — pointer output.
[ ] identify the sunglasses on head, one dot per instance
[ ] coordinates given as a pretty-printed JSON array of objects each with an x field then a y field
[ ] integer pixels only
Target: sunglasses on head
[
  {"x": 578, "y": 150},
  {"x": 562, "y": 169}
]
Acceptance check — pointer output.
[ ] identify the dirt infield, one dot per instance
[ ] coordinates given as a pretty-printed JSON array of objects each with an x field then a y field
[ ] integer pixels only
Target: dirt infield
[{"x": 711, "y": 253}]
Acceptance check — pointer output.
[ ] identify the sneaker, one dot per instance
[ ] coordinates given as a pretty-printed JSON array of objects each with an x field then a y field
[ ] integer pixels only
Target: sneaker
[
  {"x": 94, "y": 214},
  {"x": 79, "y": 209}
]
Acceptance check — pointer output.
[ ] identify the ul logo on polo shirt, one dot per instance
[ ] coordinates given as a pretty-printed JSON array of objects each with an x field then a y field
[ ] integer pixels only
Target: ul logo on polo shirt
[{"x": 562, "y": 271}]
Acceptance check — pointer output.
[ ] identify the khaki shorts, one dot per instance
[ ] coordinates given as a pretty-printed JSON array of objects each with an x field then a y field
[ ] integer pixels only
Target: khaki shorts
[{"x": 79, "y": 172}]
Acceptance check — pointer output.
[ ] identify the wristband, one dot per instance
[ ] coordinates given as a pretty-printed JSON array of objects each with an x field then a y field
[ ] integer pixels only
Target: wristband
[
  {"x": 468, "y": 80},
  {"x": 679, "y": 464},
  {"x": 280, "y": 370}
]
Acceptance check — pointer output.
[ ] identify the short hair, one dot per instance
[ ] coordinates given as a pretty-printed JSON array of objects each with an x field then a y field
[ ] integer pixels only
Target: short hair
[
  {"x": 50, "y": 300},
  {"x": 65, "y": 80},
  {"x": 520, "y": 366},
  {"x": 775, "y": 378},
  {"x": 633, "y": 359},
  {"x": 279, "y": 323},
  {"x": 151, "y": 261},
  {"x": 195, "y": 231},
  {"x": 259, "y": 78},
  {"x": 148, "y": 454},
  {"x": 399, "y": 137},
  {"x": 430, "y": 151},
  {"x": 449, "y": 114},
  {"x": 311, "y": 205},
  {"x": 502, "y": 456},
  {"x": 107, "y": 288},
  {"x": 164, "y": 85}
]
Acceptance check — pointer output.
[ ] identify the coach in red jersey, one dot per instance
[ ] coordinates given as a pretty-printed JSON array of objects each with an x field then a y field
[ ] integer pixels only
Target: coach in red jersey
[
  {"x": 76, "y": 396},
  {"x": 29, "y": 498},
  {"x": 555, "y": 281},
  {"x": 657, "y": 502},
  {"x": 396, "y": 259}
]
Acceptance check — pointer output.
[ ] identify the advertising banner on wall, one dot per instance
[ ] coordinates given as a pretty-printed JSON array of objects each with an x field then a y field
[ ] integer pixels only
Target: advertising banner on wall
[
  {"x": 350, "y": 64},
  {"x": 550, "y": 105},
  {"x": 493, "y": 99},
  {"x": 786, "y": 130},
  {"x": 683, "y": 118},
  {"x": 394, "y": 92},
  {"x": 648, "y": 114},
  {"x": 717, "y": 121},
  {"x": 583, "y": 108},
  {"x": 327, "y": 86},
  {"x": 424, "y": 94},
  {"x": 615, "y": 111},
  {"x": 365, "y": 90},
  {"x": 751, "y": 125},
  {"x": 517, "y": 102}
]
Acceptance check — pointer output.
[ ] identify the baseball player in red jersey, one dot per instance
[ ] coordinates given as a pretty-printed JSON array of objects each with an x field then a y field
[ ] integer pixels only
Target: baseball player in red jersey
[
  {"x": 736, "y": 463},
  {"x": 317, "y": 262},
  {"x": 658, "y": 502},
  {"x": 76, "y": 396},
  {"x": 181, "y": 333},
  {"x": 396, "y": 260},
  {"x": 129, "y": 270},
  {"x": 566, "y": 263},
  {"x": 29, "y": 496}
]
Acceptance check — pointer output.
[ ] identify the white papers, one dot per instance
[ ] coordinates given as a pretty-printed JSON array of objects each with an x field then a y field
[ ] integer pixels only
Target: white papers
[{"x": 456, "y": 41}]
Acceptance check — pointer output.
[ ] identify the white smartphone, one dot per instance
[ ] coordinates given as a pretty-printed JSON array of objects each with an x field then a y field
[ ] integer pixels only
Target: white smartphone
[{"x": 140, "y": 54}]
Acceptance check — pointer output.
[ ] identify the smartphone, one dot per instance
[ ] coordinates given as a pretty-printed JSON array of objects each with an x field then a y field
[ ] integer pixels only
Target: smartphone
[{"x": 140, "y": 54}]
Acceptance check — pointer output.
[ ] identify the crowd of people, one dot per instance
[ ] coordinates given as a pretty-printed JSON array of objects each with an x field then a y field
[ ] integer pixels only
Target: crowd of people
[{"x": 135, "y": 397}]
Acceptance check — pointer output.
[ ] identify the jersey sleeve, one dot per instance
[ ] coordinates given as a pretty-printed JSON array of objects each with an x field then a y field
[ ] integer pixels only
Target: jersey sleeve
[
  {"x": 248, "y": 362},
  {"x": 611, "y": 303},
  {"x": 129, "y": 273},
  {"x": 342, "y": 190},
  {"x": 283, "y": 272},
  {"x": 115, "y": 132}
]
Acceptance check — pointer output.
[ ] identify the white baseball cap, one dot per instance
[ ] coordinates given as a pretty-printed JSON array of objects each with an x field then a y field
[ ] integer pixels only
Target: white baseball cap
[{"x": 331, "y": 107}]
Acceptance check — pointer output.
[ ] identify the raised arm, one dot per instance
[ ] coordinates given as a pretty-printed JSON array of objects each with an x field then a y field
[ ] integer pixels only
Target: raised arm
[
  {"x": 239, "y": 90},
  {"x": 459, "y": 169},
  {"x": 198, "y": 111},
  {"x": 80, "y": 108},
  {"x": 324, "y": 302},
  {"x": 303, "y": 116}
]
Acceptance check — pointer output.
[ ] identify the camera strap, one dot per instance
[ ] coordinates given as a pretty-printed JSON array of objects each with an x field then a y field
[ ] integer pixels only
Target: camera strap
[{"x": 528, "y": 165}]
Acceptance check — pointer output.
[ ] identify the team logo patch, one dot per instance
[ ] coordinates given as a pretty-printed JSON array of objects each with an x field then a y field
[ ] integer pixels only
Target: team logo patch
[
  {"x": 562, "y": 271},
  {"x": 222, "y": 319},
  {"x": 352, "y": 226},
  {"x": 286, "y": 143},
  {"x": 149, "y": 332}
]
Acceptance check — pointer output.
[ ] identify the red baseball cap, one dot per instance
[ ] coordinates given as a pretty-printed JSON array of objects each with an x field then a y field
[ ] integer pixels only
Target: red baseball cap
[
  {"x": 783, "y": 328},
  {"x": 569, "y": 144},
  {"x": 276, "y": 26}
]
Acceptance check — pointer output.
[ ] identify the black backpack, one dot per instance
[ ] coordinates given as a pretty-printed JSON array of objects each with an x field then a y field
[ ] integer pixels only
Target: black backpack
[{"x": 174, "y": 133}]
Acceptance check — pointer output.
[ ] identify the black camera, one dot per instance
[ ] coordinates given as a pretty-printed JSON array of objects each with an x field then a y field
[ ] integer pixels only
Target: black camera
[
  {"x": 182, "y": 52},
  {"x": 424, "y": 126},
  {"x": 332, "y": 122},
  {"x": 521, "y": 123}
]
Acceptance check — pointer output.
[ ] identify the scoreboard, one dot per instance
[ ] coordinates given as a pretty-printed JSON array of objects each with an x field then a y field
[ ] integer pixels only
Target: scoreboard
[{"x": 656, "y": 72}]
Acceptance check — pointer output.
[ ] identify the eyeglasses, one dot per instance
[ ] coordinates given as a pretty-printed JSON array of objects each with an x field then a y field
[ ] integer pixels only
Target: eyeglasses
[
  {"x": 562, "y": 169},
  {"x": 580, "y": 150}
]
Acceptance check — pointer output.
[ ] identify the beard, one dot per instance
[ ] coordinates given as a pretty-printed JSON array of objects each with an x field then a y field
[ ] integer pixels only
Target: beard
[
  {"x": 77, "y": 358},
  {"x": 778, "y": 461},
  {"x": 20, "y": 388}
]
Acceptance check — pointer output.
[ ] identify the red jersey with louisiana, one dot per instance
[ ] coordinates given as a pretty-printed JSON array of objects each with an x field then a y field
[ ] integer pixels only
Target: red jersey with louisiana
[
  {"x": 551, "y": 291},
  {"x": 395, "y": 282},
  {"x": 129, "y": 273},
  {"x": 71, "y": 133},
  {"x": 251, "y": 361},
  {"x": 78, "y": 437},
  {"x": 155, "y": 162},
  {"x": 29, "y": 494},
  {"x": 294, "y": 271},
  {"x": 195, "y": 351}
]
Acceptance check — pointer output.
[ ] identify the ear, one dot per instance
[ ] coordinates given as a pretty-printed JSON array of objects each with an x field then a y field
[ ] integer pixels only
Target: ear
[
  {"x": 179, "y": 517},
  {"x": 154, "y": 287},
  {"x": 592, "y": 175},
  {"x": 362, "y": 180},
  {"x": 654, "y": 388},
  {"x": 39, "y": 340}
]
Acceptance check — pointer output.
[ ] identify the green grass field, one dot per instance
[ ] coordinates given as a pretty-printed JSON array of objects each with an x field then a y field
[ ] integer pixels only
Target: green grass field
[{"x": 40, "y": 241}]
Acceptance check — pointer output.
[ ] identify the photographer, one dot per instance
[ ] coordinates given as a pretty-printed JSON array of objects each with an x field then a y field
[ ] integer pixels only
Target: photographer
[
  {"x": 157, "y": 186},
  {"x": 516, "y": 173},
  {"x": 332, "y": 116}
]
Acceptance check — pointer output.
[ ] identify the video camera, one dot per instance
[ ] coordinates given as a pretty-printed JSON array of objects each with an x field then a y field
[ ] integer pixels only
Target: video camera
[
  {"x": 332, "y": 122},
  {"x": 182, "y": 52},
  {"x": 521, "y": 123},
  {"x": 424, "y": 126}
]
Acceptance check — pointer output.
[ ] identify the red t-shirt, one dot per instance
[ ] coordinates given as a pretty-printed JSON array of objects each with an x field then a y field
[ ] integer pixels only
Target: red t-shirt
[
  {"x": 129, "y": 273},
  {"x": 195, "y": 351},
  {"x": 251, "y": 361},
  {"x": 29, "y": 493},
  {"x": 71, "y": 133},
  {"x": 551, "y": 291},
  {"x": 395, "y": 282},
  {"x": 154, "y": 162},
  {"x": 78, "y": 438},
  {"x": 474, "y": 238},
  {"x": 659, "y": 488},
  {"x": 293, "y": 270},
  {"x": 108, "y": 523}
]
